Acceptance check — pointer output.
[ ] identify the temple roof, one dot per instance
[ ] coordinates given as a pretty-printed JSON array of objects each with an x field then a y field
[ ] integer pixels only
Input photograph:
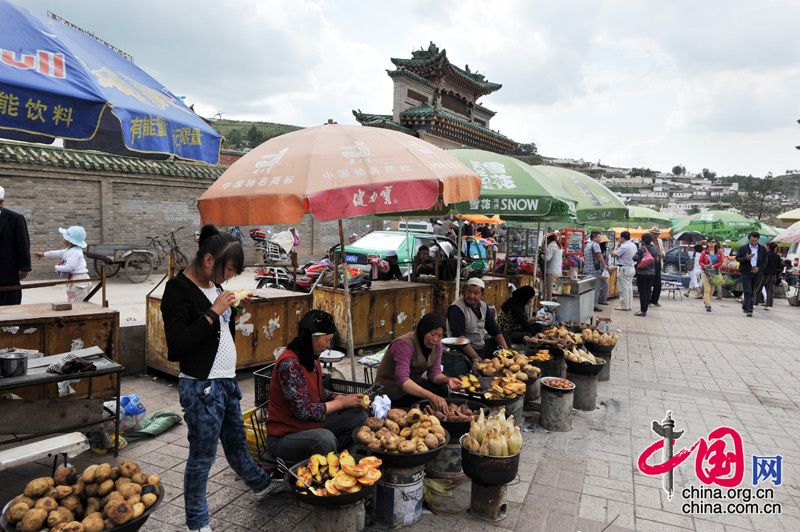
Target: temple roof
[
  {"x": 89, "y": 160},
  {"x": 405, "y": 73},
  {"x": 384, "y": 121},
  {"x": 433, "y": 61},
  {"x": 426, "y": 111}
]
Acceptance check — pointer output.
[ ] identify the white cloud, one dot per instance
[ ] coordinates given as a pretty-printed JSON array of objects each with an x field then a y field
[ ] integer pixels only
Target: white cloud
[{"x": 708, "y": 84}]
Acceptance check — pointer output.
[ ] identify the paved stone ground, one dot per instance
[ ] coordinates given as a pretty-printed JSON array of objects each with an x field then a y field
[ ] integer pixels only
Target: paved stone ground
[{"x": 711, "y": 369}]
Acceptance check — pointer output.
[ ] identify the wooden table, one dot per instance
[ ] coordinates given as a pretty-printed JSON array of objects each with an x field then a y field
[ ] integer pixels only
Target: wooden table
[
  {"x": 268, "y": 322},
  {"x": 52, "y": 332},
  {"x": 387, "y": 310},
  {"x": 37, "y": 418}
]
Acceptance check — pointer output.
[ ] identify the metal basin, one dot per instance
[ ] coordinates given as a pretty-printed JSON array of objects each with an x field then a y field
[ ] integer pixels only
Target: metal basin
[{"x": 489, "y": 470}]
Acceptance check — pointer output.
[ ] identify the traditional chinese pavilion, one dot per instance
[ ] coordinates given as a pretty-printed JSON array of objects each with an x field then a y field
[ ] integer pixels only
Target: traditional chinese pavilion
[{"x": 438, "y": 102}]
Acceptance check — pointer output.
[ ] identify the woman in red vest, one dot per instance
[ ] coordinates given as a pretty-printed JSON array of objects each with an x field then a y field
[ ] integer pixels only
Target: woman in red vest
[{"x": 304, "y": 417}]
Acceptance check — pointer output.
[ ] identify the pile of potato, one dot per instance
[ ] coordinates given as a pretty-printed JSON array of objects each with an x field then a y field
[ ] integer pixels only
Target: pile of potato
[
  {"x": 402, "y": 432},
  {"x": 507, "y": 362},
  {"x": 101, "y": 498},
  {"x": 596, "y": 337}
]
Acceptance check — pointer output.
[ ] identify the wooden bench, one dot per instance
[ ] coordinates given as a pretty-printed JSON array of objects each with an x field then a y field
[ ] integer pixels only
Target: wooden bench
[{"x": 66, "y": 446}]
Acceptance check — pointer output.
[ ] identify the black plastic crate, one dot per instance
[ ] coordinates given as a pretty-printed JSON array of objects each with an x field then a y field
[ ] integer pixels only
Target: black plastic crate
[
  {"x": 263, "y": 376},
  {"x": 261, "y": 380},
  {"x": 350, "y": 387}
]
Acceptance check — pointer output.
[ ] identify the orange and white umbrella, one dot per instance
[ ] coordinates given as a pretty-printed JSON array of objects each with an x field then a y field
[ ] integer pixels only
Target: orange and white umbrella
[{"x": 336, "y": 171}]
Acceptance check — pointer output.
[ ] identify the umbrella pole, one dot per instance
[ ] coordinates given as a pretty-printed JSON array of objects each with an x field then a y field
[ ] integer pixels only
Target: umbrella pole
[
  {"x": 349, "y": 315},
  {"x": 408, "y": 250},
  {"x": 458, "y": 264},
  {"x": 536, "y": 258}
]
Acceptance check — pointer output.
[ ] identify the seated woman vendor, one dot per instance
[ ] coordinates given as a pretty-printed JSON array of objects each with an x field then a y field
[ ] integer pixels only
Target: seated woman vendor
[
  {"x": 304, "y": 417},
  {"x": 512, "y": 318},
  {"x": 408, "y": 358}
]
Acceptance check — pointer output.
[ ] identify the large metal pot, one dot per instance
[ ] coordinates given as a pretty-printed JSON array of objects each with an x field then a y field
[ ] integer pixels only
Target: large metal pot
[
  {"x": 13, "y": 364},
  {"x": 489, "y": 470}
]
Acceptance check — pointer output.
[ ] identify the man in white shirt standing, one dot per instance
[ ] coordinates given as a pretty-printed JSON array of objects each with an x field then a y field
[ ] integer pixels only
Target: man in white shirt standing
[
  {"x": 553, "y": 260},
  {"x": 624, "y": 253}
]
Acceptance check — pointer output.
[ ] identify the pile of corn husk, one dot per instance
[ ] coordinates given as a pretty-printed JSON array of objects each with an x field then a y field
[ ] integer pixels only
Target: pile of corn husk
[{"x": 493, "y": 436}]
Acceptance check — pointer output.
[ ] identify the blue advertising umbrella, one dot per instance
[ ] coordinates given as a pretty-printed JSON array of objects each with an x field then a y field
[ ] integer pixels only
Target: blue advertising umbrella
[{"x": 58, "y": 82}]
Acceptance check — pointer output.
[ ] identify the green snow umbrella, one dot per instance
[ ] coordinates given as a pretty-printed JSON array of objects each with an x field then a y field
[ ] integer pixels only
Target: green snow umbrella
[
  {"x": 511, "y": 189},
  {"x": 724, "y": 225},
  {"x": 768, "y": 230},
  {"x": 594, "y": 203}
]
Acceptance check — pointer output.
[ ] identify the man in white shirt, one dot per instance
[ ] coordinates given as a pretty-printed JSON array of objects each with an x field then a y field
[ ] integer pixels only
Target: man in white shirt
[
  {"x": 624, "y": 253},
  {"x": 553, "y": 260}
]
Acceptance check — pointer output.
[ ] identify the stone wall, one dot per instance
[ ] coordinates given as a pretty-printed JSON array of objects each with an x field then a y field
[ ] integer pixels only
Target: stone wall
[{"x": 123, "y": 208}]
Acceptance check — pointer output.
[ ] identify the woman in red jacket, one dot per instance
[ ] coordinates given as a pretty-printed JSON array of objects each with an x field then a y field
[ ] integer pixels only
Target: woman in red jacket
[
  {"x": 304, "y": 417},
  {"x": 710, "y": 262}
]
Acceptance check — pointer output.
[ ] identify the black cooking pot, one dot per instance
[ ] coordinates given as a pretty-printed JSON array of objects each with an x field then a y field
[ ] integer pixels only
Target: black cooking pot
[
  {"x": 457, "y": 428},
  {"x": 478, "y": 397},
  {"x": 599, "y": 349},
  {"x": 489, "y": 470},
  {"x": 338, "y": 501},
  {"x": 585, "y": 368},
  {"x": 401, "y": 460}
]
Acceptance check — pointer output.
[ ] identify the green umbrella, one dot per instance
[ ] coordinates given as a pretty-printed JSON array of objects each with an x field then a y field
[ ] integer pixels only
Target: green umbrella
[
  {"x": 725, "y": 225},
  {"x": 512, "y": 189},
  {"x": 768, "y": 230},
  {"x": 594, "y": 203}
]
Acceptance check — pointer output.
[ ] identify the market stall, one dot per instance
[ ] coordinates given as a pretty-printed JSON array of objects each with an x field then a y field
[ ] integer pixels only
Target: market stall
[
  {"x": 576, "y": 298},
  {"x": 39, "y": 328},
  {"x": 443, "y": 293},
  {"x": 384, "y": 312},
  {"x": 269, "y": 321}
]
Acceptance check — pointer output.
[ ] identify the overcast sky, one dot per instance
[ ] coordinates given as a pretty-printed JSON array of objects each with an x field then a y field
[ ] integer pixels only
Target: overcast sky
[{"x": 641, "y": 83}]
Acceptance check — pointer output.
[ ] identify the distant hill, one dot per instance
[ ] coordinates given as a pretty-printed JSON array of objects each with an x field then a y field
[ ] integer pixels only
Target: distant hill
[{"x": 242, "y": 135}]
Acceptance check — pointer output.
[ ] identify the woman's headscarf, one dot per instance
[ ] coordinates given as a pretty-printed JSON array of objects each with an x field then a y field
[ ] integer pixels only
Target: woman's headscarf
[
  {"x": 314, "y": 323},
  {"x": 519, "y": 297},
  {"x": 426, "y": 324}
]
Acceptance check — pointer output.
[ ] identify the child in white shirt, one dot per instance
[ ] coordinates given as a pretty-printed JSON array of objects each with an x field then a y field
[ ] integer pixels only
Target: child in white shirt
[{"x": 72, "y": 265}]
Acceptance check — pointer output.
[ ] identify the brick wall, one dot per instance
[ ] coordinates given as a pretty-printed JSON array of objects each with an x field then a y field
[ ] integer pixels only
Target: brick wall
[{"x": 125, "y": 208}]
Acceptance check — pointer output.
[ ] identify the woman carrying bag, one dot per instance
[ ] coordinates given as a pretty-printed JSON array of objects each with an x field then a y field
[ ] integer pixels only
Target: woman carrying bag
[{"x": 645, "y": 260}]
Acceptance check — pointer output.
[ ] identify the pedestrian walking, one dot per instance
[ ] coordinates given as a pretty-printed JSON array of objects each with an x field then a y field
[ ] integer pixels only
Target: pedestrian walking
[
  {"x": 656, "y": 293},
  {"x": 710, "y": 262},
  {"x": 772, "y": 274},
  {"x": 602, "y": 240},
  {"x": 72, "y": 263},
  {"x": 752, "y": 258},
  {"x": 695, "y": 283},
  {"x": 15, "y": 252},
  {"x": 554, "y": 262},
  {"x": 594, "y": 264},
  {"x": 624, "y": 252},
  {"x": 645, "y": 260},
  {"x": 199, "y": 323}
]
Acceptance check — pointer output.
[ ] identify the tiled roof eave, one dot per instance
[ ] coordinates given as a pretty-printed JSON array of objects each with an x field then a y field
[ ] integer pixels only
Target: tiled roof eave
[{"x": 96, "y": 161}]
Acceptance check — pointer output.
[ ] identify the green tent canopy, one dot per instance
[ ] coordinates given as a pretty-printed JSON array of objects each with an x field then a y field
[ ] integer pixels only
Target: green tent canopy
[{"x": 724, "y": 225}]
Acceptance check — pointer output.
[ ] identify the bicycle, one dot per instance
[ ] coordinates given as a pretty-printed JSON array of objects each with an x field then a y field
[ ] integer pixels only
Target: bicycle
[{"x": 138, "y": 266}]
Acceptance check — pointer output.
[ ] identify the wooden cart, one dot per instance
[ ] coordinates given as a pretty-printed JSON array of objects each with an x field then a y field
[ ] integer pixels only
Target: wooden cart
[
  {"x": 53, "y": 332},
  {"x": 136, "y": 262},
  {"x": 268, "y": 322},
  {"x": 387, "y": 310}
]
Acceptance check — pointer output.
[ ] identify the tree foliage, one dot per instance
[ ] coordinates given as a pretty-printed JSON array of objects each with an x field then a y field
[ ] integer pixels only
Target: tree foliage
[
  {"x": 678, "y": 170},
  {"x": 527, "y": 148}
]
